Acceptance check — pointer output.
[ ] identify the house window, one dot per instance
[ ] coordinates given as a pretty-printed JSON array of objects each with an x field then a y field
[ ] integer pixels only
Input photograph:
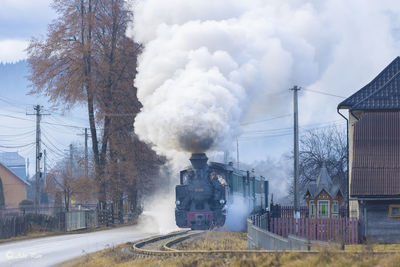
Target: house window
[
  {"x": 312, "y": 209},
  {"x": 335, "y": 206},
  {"x": 323, "y": 208},
  {"x": 394, "y": 211}
]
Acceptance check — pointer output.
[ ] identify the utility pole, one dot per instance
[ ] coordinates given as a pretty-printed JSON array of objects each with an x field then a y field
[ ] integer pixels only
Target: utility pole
[
  {"x": 226, "y": 156},
  {"x": 44, "y": 167},
  {"x": 27, "y": 168},
  {"x": 38, "y": 115},
  {"x": 38, "y": 157},
  {"x": 86, "y": 152},
  {"x": 70, "y": 159},
  {"x": 296, "y": 152},
  {"x": 237, "y": 152}
]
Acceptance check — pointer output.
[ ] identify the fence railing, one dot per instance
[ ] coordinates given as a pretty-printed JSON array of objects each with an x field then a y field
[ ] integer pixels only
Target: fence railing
[
  {"x": 260, "y": 220},
  {"x": 339, "y": 230}
]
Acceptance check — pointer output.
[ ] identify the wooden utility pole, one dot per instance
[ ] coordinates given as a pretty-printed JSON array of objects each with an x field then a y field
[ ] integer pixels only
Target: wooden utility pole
[{"x": 296, "y": 152}]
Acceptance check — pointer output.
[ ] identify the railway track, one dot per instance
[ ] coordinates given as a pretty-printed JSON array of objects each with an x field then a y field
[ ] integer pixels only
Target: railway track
[{"x": 162, "y": 246}]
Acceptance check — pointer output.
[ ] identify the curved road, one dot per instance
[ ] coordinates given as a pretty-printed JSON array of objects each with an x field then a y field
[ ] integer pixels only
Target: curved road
[{"x": 48, "y": 251}]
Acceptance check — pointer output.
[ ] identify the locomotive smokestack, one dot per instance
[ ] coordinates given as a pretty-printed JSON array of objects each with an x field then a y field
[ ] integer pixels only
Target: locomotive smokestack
[{"x": 198, "y": 160}]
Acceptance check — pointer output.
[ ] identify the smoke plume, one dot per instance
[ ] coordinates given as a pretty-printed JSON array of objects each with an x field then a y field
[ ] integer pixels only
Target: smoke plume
[{"x": 204, "y": 63}]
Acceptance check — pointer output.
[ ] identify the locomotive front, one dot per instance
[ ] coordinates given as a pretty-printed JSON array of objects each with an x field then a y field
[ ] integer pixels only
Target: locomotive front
[{"x": 200, "y": 197}]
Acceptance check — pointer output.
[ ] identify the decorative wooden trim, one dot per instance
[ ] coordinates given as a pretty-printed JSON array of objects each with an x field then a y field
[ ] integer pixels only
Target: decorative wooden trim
[{"x": 391, "y": 207}]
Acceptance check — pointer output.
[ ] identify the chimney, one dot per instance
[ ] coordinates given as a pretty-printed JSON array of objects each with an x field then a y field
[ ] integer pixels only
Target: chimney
[{"x": 199, "y": 161}]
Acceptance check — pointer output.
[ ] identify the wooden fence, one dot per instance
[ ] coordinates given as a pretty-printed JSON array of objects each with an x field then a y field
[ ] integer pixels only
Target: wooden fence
[
  {"x": 338, "y": 230},
  {"x": 21, "y": 225},
  {"x": 278, "y": 211}
]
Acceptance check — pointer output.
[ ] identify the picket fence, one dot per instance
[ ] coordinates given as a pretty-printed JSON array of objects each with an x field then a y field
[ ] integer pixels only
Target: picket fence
[{"x": 338, "y": 230}]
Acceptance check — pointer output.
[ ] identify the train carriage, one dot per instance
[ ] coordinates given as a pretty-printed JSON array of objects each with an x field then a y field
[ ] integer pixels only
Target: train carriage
[{"x": 206, "y": 191}]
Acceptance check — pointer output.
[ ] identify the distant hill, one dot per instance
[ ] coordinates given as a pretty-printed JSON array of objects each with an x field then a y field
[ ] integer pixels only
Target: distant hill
[
  {"x": 13, "y": 78},
  {"x": 14, "y": 83}
]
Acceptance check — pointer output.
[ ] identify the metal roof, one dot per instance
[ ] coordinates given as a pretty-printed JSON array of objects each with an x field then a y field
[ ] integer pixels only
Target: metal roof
[
  {"x": 323, "y": 183},
  {"x": 15, "y": 163},
  {"x": 383, "y": 92},
  {"x": 376, "y": 156}
]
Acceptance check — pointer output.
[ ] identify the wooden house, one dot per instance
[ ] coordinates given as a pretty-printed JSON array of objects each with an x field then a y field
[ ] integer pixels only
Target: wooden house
[
  {"x": 12, "y": 188},
  {"x": 374, "y": 155},
  {"x": 323, "y": 197}
]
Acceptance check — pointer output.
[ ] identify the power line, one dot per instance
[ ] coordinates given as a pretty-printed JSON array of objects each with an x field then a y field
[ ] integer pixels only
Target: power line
[
  {"x": 266, "y": 134},
  {"x": 323, "y": 93},
  {"x": 19, "y": 146},
  {"x": 264, "y": 120}
]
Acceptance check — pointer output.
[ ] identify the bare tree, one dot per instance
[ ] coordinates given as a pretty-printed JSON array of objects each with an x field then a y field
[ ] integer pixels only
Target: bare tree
[{"x": 325, "y": 146}]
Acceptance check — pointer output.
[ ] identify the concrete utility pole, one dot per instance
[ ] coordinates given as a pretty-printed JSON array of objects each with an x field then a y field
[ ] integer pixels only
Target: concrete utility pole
[
  {"x": 226, "y": 157},
  {"x": 237, "y": 152},
  {"x": 71, "y": 159},
  {"x": 27, "y": 168},
  {"x": 296, "y": 152},
  {"x": 86, "y": 152},
  {"x": 44, "y": 167},
  {"x": 38, "y": 115}
]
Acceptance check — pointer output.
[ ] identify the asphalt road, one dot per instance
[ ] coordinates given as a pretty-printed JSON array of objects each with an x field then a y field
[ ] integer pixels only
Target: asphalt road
[{"x": 48, "y": 251}]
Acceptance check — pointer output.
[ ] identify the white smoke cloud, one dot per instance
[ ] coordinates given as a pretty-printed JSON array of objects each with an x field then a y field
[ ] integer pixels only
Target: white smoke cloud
[
  {"x": 203, "y": 65},
  {"x": 236, "y": 214},
  {"x": 207, "y": 65}
]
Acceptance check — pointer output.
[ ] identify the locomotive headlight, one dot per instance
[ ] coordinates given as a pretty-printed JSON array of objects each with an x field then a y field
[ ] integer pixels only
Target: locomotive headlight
[
  {"x": 222, "y": 201},
  {"x": 177, "y": 202}
]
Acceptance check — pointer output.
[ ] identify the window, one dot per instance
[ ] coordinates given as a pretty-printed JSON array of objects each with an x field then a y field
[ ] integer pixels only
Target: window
[
  {"x": 312, "y": 209},
  {"x": 335, "y": 206},
  {"x": 323, "y": 208},
  {"x": 394, "y": 211}
]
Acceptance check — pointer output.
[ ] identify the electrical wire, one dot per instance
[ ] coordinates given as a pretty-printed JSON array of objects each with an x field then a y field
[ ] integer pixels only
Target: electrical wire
[
  {"x": 264, "y": 120},
  {"x": 323, "y": 93}
]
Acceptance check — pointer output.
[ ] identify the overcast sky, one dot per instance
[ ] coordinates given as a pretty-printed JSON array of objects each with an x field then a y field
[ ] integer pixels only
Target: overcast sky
[{"x": 20, "y": 20}]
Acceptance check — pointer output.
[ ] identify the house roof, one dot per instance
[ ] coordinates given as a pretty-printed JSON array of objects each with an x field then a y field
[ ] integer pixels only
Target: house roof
[
  {"x": 13, "y": 174},
  {"x": 14, "y": 163},
  {"x": 376, "y": 150},
  {"x": 323, "y": 182},
  {"x": 382, "y": 93}
]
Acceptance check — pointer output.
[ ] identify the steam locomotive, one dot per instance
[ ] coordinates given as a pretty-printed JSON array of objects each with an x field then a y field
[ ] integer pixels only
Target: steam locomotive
[{"x": 206, "y": 191}]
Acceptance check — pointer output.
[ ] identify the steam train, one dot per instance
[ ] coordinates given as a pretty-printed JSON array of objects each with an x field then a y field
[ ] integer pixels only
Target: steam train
[{"x": 206, "y": 191}]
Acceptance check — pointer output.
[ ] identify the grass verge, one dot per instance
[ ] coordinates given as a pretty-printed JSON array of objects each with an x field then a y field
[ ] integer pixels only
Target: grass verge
[{"x": 229, "y": 240}]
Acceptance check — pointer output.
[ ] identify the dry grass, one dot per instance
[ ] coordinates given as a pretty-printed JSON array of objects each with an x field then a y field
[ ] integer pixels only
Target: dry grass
[
  {"x": 228, "y": 240},
  {"x": 373, "y": 247},
  {"x": 215, "y": 240},
  {"x": 114, "y": 257}
]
